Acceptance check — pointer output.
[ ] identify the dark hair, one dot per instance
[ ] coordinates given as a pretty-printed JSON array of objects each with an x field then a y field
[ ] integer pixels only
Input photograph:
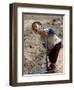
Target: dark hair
[{"x": 33, "y": 24}]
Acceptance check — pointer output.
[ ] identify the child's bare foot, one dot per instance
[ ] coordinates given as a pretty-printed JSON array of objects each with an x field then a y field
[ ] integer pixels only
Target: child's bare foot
[{"x": 51, "y": 68}]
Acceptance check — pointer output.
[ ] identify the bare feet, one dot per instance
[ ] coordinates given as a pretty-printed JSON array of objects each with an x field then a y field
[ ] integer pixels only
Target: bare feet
[{"x": 51, "y": 68}]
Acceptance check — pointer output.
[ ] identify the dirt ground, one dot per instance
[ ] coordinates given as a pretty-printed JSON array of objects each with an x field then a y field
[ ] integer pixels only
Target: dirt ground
[{"x": 59, "y": 63}]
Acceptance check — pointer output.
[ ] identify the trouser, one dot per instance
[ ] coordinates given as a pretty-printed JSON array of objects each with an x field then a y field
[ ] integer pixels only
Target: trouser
[{"x": 54, "y": 53}]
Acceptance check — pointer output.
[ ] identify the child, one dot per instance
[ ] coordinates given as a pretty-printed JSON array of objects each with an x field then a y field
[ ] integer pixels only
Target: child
[{"x": 51, "y": 42}]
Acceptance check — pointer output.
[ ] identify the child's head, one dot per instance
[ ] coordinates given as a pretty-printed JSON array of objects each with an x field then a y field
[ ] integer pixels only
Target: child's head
[{"x": 36, "y": 26}]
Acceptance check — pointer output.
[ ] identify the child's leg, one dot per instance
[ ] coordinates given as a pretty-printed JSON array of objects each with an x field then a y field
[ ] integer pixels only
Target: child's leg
[
  {"x": 54, "y": 53},
  {"x": 53, "y": 57}
]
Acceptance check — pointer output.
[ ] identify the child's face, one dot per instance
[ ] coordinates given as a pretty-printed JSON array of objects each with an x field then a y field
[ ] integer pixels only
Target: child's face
[{"x": 37, "y": 28}]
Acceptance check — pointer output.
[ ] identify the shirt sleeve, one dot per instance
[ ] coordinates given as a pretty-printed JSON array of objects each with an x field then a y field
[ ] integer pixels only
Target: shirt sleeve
[{"x": 51, "y": 31}]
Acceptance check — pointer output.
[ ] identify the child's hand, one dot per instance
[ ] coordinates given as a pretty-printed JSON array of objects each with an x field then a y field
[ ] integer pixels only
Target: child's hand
[{"x": 44, "y": 34}]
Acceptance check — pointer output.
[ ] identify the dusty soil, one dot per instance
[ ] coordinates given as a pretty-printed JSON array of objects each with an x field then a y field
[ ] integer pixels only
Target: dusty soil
[{"x": 59, "y": 63}]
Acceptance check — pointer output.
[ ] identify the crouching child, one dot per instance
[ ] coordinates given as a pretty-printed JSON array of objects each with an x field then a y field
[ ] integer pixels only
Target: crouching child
[{"x": 51, "y": 42}]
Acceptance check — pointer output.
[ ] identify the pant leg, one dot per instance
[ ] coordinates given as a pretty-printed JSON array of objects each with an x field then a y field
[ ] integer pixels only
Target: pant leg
[{"x": 54, "y": 53}]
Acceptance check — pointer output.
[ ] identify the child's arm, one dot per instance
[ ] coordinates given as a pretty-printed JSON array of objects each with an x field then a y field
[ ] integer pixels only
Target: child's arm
[
  {"x": 47, "y": 33},
  {"x": 43, "y": 34}
]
